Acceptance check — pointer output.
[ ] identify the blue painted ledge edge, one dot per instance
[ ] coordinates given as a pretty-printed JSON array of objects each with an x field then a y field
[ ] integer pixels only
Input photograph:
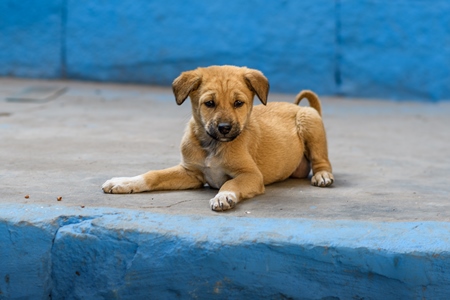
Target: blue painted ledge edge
[
  {"x": 80, "y": 244},
  {"x": 419, "y": 236}
]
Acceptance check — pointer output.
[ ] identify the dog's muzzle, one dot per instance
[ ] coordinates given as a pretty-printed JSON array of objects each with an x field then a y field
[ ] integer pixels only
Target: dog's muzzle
[{"x": 224, "y": 132}]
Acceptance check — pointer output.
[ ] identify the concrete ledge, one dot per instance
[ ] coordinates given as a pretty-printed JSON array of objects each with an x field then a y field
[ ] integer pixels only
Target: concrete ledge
[{"x": 81, "y": 253}]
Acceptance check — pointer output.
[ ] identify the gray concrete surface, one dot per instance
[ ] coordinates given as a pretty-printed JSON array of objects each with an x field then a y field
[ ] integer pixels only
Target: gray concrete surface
[{"x": 390, "y": 159}]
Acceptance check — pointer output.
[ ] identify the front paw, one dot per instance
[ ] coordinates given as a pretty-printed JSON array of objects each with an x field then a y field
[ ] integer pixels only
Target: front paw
[
  {"x": 322, "y": 179},
  {"x": 124, "y": 185},
  {"x": 223, "y": 201}
]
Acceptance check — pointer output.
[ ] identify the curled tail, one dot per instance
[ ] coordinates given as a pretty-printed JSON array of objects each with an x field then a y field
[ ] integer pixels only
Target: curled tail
[{"x": 313, "y": 100}]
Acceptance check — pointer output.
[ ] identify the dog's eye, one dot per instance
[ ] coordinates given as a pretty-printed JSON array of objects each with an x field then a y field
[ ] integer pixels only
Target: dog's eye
[
  {"x": 210, "y": 103},
  {"x": 238, "y": 103}
]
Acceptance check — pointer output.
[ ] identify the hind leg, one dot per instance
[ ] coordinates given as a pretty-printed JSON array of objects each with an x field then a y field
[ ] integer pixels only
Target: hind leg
[
  {"x": 312, "y": 132},
  {"x": 303, "y": 169}
]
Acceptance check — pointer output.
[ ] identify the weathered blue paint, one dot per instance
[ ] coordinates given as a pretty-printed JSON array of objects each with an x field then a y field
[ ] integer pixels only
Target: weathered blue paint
[
  {"x": 30, "y": 38},
  {"x": 292, "y": 42},
  {"x": 395, "y": 49},
  {"x": 72, "y": 253},
  {"x": 386, "y": 49}
]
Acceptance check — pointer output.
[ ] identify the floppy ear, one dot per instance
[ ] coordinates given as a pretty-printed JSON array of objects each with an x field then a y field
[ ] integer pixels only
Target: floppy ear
[
  {"x": 258, "y": 84},
  {"x": 184, "y": 84}
]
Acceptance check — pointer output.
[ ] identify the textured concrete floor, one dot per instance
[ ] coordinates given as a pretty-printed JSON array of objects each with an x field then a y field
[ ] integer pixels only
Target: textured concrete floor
[
  {"x": 390, "y": 160},
  {"x": 380, "y": 232}
]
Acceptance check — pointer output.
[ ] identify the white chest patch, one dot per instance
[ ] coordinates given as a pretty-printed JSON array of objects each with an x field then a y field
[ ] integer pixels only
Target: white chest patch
[{"x": 214, "y": 173}]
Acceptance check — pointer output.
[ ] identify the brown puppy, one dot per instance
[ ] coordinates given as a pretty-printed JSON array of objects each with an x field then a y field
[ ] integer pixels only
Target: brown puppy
[{"x": 235, "y": 147}]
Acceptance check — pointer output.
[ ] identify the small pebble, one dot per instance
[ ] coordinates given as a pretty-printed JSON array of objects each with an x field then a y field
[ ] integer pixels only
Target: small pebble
[
  {"x": 27, "y": 196},
  {"x": 59, "y": 198}
]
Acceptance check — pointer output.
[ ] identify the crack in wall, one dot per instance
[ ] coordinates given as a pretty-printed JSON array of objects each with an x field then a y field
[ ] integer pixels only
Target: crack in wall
[
  {"x": 62, "y": 222},
  {"x": 103, "y": 249},
  {"x": 63, "y": 50},
  {"x": 337, "y": 47}
]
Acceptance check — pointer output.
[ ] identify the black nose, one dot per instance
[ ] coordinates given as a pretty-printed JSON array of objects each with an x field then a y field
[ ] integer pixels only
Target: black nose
[{"x": 224, "y": 128}]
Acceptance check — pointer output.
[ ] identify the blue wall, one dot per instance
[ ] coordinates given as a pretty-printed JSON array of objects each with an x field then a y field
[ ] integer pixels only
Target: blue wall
[
  {"x": 30, "y": 38},
  {"x": 387, "y": 49}
]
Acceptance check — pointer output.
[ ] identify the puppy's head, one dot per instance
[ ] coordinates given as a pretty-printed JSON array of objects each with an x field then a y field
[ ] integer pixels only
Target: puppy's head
[{"x": 221, "y": 97}]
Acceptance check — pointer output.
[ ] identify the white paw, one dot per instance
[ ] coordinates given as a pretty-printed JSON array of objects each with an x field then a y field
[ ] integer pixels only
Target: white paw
[
  {"x": 223, "y": 201},
  {"x": 322, "y": 179},
  {"x": 125, "y": 185}
]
